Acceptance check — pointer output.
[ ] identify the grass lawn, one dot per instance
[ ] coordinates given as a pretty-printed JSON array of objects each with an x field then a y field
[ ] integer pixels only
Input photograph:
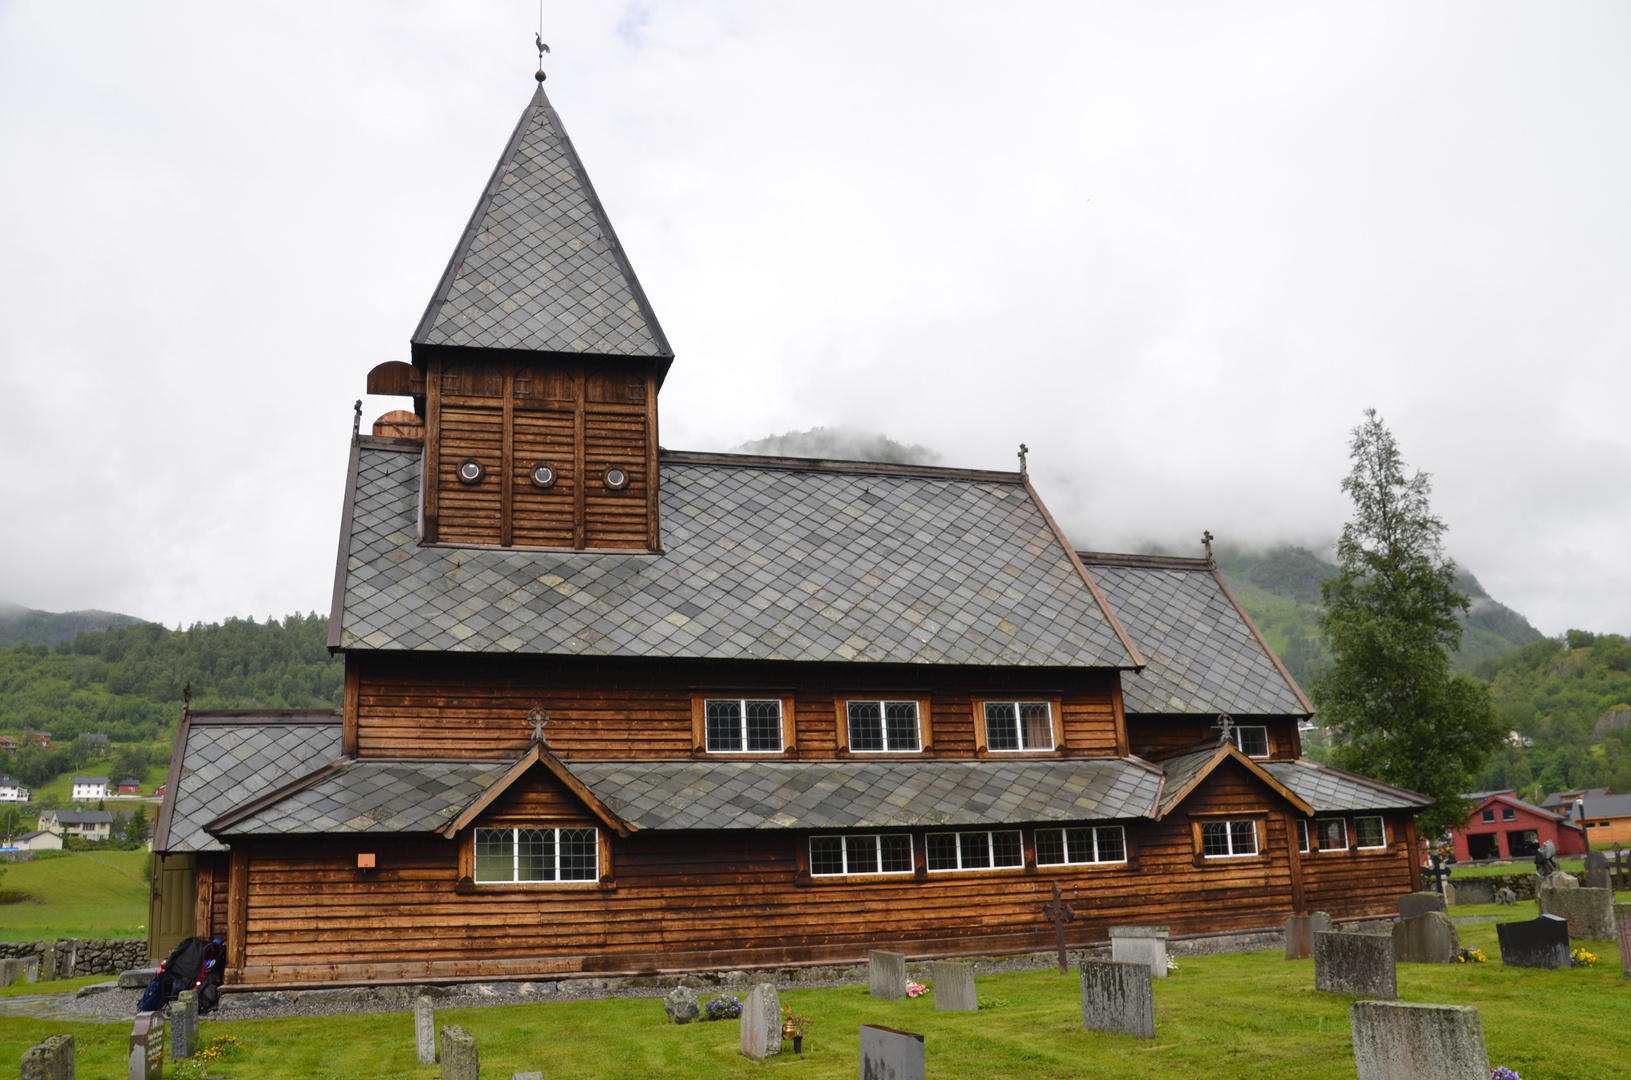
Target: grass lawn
[
  {"x": 1248, "y": 1016},
  {"x": 89, "y": 894}
]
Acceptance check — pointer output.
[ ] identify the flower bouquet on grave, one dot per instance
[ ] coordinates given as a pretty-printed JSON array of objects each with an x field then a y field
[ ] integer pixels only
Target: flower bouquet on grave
[
  {"x": 1501, "y": 1072},
  {"x": 1582, "y": 958},
  {"x": 1172, "y": 965},
  {"x": 1471, "y": 956},
  {"x": 722, "y": 1007},
  {"x": 796, "y": 1027},
  {"x": 916, "y": 989}
]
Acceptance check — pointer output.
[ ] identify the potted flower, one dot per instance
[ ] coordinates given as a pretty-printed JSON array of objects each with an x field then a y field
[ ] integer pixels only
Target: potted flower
[{"x": 795, "y": 1027}]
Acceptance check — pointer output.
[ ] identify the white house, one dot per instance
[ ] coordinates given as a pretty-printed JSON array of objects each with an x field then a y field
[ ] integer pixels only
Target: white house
[
  {"x": 90, "y": 787},
  {"x": 12, "y": 791},
  {"x": 43, "y": 840}
]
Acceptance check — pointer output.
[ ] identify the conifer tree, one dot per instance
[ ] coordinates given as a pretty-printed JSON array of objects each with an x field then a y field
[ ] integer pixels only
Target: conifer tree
[{"x": 1401, "y": 715}]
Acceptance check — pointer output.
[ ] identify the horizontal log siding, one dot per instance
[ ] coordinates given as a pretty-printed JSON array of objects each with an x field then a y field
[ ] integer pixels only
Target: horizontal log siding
[
  {"x": 1350, "y": 883},
  {"x": 1153, "y": 735},
  {"x": 451, "y": 707},
  {"x": 701, "y": 899}
]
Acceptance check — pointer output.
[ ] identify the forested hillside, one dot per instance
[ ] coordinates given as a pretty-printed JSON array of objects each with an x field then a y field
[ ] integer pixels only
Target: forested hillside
[
  {"x": 127, "y": 682},
  {"x": 19, "y": 624}
]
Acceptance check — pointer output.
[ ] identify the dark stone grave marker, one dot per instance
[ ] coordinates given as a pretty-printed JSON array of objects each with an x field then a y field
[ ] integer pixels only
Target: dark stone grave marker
[
  {"x": 147, "y": 1047},
  {"x": 888, "y": 1054},
  {"x": 1541, "y": 943}
]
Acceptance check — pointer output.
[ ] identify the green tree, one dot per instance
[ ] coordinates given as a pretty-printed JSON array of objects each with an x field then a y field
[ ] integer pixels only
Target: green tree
[
  {"x": 135, "y": 825},
  {"x": 1390, "y": 618}
]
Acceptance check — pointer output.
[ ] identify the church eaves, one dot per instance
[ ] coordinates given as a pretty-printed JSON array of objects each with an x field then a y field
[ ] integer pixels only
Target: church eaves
[{"x": 539, "y": 268}]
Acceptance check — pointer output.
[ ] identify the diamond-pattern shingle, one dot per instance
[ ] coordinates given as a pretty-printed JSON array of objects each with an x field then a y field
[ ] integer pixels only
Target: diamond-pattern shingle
[
  {"x": 372, "y": 796},
  {"x": 845, "y": 794},
  {"x": 1329, "y": 790},
  {"x": 1202, "y": 657},
  {"x": 227, "y": 764},
  {"x": 539, "y": 267},
  {"x": 925, "y": 569}
]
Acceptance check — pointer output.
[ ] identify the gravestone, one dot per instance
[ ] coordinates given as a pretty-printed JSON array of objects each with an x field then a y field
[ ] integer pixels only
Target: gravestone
[
  {"x": 761, "y": 1023},
  {"x": 1419, "y": 903},
  {"x": 1540, "y": 943},
  {"x": 1426, "y": 939},
  {"x": 1140, "y": 945},
  {"x": 886, "y": 971},
  {"x": 1357, "y": 964},
  {"x": 1395, "y": 1040},
  {"x": 953, "y": 986},
  {"x": 1300, "y": 931},
  {"x": 1622, "y": 923},
  {"x": 136, "y": 978},
  {"x": 31, "y": 969},
  {"x": 1504, "y": 895},
  {"x": 52, "y": 1059},
  {"x": 1596, "y": 875},
  {"x": 1474, "y": 891},
  {"x": 527, "y": 1076},
  {"x": 69, "y": 958},
  {"x": 1450, "y": 894},
  {"x": 1590, "y": 912},
  {"x": 49, "y": 960},
  {"x": 11, "y": 970},
  {"x": 1118, "y": 998},
  {"x": 424, "y": 1029},
  {"x": 887, "y": 1054},
  {"x": 681, "y": 1005},
  {"x": 146, "y": 1057},
  {"x": 184, "y": 1025},
  {"x": 460, "y": 1061}
]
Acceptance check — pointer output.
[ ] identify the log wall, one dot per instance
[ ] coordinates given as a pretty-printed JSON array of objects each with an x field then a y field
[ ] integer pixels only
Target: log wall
[{"x": 1158, "y": 734}]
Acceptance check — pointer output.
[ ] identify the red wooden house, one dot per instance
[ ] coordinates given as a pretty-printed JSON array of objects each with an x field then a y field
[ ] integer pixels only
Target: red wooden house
[
  {"x": 611, "y": 708},
  {"x": 1503, "y": 826}
]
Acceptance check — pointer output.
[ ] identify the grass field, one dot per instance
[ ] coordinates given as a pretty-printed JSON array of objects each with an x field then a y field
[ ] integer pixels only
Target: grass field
[
  {"x": 1248, "y": 1016},
  {"x": 63, "y": 786},
  {"x": 90, "y": 894}
]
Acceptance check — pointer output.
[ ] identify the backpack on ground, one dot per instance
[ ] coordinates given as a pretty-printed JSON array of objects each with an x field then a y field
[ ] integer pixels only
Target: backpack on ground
[{"x": 195, "y": 964}]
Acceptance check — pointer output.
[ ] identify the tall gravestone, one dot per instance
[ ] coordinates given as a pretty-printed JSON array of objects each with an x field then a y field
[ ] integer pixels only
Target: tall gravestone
[
  {"x": 1396, "y": 1040},
  {"x": 1450, "y": 894},
  {"x": 50, "y": 959},
  {"x": 11, "y": 970},
  {"x": 1426, "y": 939},
  {"x": 70, "y": 958},
  {"x": 460, "y": 1061},
  {"x": 1300, "y": 931},
  {"x": 1590, "y": 912},
  {"x": 953, "y": 986},
  {"x": 52, "y": 1059},
  {"x": 1541, "y": 943},
  {"x": 1622, "y": 925},
  {"x": 184, "y": 1025},
  {"x": 1596, "y": 875},
  {"x": 1357, "y": 964},
  {"x": 1118, "y": 998},
  {"x": 1140, "y": 945},
  {"x": 886, "y": 972},
  {"x": 761, "y": 1023},
  {"x": 31, "y": 969},
  {"x": 1419, "y": 903},
  {"x": 888, "y": 1054},
  {"x": 1475, "y": 891},
  {"x": 146, "y": 1057},
  {"x": 424, "y": 1030}
]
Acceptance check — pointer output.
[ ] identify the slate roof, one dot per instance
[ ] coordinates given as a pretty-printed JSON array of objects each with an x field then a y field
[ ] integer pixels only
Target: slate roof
[
  {"x": 1181, "y": 772},
  {"x": 1203, "y": 657},
  {"x": 226, "y": 763},
  {"x": 844, "y": 795},
  {"x": 765, "y": 559},
  {"x": 1608, "y": 806},
  {"x": 81, "y": 817},
  {"x": 538, "y": 266},
  {"x": 372, "y": 796},
  {"x": 1331, "y": 790}
]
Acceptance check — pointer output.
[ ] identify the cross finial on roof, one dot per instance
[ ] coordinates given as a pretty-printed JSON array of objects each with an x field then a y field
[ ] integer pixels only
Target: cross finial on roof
[
  {"x": 1226, "y": 724},
  {"x": 1206, "y": 539},
  {"x": 356, "y": 418},
  {"x": 1023, "y": 450},
  {"x": 539, "y": 719}
]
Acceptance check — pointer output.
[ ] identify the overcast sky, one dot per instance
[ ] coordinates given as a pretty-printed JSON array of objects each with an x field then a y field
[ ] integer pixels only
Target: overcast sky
[{"x": 1175, "y": 248}]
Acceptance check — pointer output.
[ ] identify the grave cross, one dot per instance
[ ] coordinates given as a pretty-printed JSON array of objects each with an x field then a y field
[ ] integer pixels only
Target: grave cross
[
  {"x": 1059, "y": 913},
  {"x": 1437, "y": 871}
]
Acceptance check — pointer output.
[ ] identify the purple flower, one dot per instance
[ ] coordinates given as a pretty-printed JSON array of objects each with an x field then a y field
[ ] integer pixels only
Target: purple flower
[{"x": 1501, "y": 1072}]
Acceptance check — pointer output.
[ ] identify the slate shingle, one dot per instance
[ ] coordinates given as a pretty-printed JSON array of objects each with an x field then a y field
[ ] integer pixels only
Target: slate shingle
[
  {"x": 1328, "y": 789},
  {"x": 225, "y": 765},
  {"x": 373, "y": 796}
]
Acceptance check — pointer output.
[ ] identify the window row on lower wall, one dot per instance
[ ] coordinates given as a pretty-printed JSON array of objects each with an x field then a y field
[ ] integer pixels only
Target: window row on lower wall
[
  {"x": 758, "y": 725},
  {"x": 995, "y": 849},
  {"x": 1331, "y": 834}
]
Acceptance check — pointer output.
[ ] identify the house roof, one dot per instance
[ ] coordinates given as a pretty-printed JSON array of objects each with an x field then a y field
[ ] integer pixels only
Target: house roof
[
  {"x": 1557, "y": 798},
  {"x": 851, "y": 795},
  {"x": 80, "y": 817},
  {"x": 1609, "y": 806},
  {"x": 1186, "y": 770},
  {"x": 1204, "y": 655},
  {"x": 538, "y": 267},
  {"x": 90, "y": 780},
  {"x": 1331, "y": 790},
  {"x": 769, "y": 559},
  {"x": 366, "y": 796},
  {"x": 1510, "y": 798},
  {"x": 223, "y": 760}
]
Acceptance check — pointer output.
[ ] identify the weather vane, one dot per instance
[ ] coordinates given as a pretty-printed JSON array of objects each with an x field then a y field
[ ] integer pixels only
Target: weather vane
[{"x": 538, "y": 39}]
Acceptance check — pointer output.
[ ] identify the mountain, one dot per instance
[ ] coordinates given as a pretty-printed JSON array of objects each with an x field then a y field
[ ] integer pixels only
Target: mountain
[
  {"x": 839, "y": 444},
  {"x": 20, "y": 625}
]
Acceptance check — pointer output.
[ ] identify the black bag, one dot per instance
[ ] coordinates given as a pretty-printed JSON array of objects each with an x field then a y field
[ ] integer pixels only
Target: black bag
[
  {"x": 157, "y": 994},
  {"x": 195, "y": 964}
]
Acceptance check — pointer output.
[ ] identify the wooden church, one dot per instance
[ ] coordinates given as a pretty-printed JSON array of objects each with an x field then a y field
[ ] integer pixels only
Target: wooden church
[{"x": 611, "y": 708}]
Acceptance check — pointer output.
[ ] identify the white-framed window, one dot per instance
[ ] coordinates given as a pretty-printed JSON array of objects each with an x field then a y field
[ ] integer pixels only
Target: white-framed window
[
  {"x": 1370, "y": 832},
  {"x": 1251, "y": 740},
  {"x": 1018, "y": 725},
  {"x": 975, "y": 850},
  {"x": 1220, "y": 839},
  {"x": 1099, "y": 844},
  {"x": 1302, "y": 834},
  {"x": 890, "y": 853},
  {"x": 743, "y": 726},
  {"x": 883, "y": 726},
  {"x": 1332, "y": 834},
  {"x": 1508, "y": 814},
  {"x": 527, "y": 855}
]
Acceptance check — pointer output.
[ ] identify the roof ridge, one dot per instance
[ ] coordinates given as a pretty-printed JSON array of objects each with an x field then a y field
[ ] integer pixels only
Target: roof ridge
[
  {"x": 1154, "y": 562},
  {"x": 835, "y": 465}
]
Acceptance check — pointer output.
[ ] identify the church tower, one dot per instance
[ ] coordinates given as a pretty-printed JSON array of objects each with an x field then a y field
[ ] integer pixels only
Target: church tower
[{"x": 536, "y": 366}]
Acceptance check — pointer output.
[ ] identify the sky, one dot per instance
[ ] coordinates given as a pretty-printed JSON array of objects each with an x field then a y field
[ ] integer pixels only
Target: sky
[{"x": 1176, "y": 249}]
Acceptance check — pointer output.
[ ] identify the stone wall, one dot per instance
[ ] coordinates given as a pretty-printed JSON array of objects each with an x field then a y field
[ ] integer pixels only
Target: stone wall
[
  {"x": 1522, "y": 885},
  {"x": 92, "y": 956}
]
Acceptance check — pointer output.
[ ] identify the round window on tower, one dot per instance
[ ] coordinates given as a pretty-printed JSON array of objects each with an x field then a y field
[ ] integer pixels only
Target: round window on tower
[
  {"x": 470, "y": 471},
  {"x": 617, "y": 478},
  {"x": 543, "y": 475}
]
